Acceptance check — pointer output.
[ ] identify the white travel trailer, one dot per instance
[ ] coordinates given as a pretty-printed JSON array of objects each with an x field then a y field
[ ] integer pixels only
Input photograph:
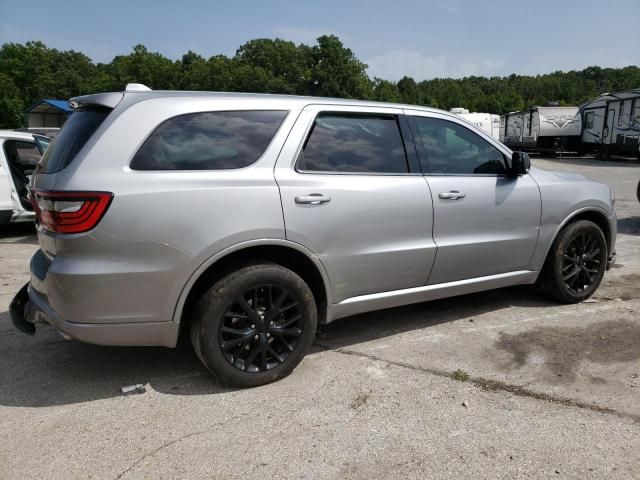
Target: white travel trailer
[
  {"x": 488, "y": 122},
  {"x": 547, "y": 129},
  {"x": 611, "y": 124}
]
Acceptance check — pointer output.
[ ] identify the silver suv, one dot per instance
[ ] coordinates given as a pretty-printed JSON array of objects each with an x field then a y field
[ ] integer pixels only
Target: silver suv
[{"x": 245, "y": 220}]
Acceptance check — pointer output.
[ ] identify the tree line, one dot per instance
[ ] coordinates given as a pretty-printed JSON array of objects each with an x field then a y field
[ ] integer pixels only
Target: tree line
[{"x": 31, "y": 71}]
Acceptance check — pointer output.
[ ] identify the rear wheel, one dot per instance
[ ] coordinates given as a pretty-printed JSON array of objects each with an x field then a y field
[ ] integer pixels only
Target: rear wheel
[
  {"x": 576, "y": 263},
  {"x": 255, "y": 325}
]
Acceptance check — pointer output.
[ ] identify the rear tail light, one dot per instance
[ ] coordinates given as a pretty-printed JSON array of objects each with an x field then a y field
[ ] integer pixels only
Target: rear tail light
[{"x": 69, "y": 212}]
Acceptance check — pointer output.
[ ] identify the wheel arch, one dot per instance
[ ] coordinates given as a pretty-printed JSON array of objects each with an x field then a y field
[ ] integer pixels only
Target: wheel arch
[
  {"x": 593, "y": 214},
  {"x": 288, "y": 254}
]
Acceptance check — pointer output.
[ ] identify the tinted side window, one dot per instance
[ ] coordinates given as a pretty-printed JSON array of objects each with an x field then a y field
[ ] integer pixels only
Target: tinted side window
[
  {"x": 209, "y": 141},
  {"x": 22, "y": 157},
  {"x": 354, "y": 143},
  {"x": 29, "y": 154},
  {"x": 75, "y": 132},
  {"x": 450, "y": 148}
]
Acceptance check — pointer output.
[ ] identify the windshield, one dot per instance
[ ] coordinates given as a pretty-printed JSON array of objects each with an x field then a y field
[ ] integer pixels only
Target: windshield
[{"x": 42, "y": 143}]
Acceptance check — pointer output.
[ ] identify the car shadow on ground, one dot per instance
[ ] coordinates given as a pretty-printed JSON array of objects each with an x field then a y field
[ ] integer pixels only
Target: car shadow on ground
[
  {"x": 45, "y": 370},
  {"x": 20, "y": 233},
  {"x": 629, "y": 225}
]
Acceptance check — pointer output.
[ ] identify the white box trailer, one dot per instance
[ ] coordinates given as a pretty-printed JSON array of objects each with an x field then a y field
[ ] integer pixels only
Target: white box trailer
[
  {"x": 544, "y": 129},
  {"x": 611, "y": 124},
  {"x": 488, "y": 122}
]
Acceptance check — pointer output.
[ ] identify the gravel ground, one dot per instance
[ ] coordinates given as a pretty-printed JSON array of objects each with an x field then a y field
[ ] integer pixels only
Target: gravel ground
[{"x": 551, "y": 391}]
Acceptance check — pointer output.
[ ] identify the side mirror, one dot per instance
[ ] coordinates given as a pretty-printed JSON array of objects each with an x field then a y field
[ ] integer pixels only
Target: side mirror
[{"x": 520, "y": 163}]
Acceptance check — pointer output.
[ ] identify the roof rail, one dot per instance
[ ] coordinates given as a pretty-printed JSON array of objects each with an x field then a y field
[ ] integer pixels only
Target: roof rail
[{"x": 136, "y": 87}]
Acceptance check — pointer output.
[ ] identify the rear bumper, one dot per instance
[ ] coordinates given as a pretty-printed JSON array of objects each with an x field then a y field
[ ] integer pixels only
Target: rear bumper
[{"x": 29, "y": 308}]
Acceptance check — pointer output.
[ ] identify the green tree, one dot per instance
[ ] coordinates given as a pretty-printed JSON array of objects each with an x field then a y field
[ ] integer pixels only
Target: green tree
[
  {"x": 336, "y": 72},
  {"x": 283, "y": 66},
  {"x": 11, "y": 104},
  {"x": 193, "y": 70},
  {"x": 385, "y": 91},
  {"x": 31, "y": 71},
  {"x": 409, "y": 92},
  {"x": 142, "y": 66}
]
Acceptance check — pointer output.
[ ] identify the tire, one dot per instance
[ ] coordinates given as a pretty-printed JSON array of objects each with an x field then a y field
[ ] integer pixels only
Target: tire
[
  {"x": 5, "y": 217},
  {"x": 574, "y": 240},
  {"x": 258, "y": 307},
  {"x": 603, "y": 155},
  {"x": 638, "y": 189}
]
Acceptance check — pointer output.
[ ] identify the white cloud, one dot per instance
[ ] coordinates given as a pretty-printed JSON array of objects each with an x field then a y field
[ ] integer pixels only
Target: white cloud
[
  {"x": 306, "y": 35},
  {"x": 396, "y": 64}
]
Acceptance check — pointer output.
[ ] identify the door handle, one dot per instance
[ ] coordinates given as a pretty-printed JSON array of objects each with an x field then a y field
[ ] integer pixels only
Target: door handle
[
  {"x": 312, "y": 199},
  {"x": 452, "y": 195}
]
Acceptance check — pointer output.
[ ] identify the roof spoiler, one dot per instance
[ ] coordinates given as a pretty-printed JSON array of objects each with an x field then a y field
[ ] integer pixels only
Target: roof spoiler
[{"x": 108, "y": 100}]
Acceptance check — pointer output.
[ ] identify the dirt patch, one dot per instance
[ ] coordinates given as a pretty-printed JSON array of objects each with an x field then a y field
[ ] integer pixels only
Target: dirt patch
[
  {"x": 359, "y": 400},
  {"x": 564, "y": 348}
]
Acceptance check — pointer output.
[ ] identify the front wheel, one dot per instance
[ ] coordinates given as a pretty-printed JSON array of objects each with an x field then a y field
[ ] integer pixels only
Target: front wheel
[
  {"x": 255, "y": 325},
  {"x": 576, "y": 263}
]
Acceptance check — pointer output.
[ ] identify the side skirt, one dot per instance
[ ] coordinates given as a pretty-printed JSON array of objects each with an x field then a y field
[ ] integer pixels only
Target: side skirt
[{"x": 396, "y": 298}]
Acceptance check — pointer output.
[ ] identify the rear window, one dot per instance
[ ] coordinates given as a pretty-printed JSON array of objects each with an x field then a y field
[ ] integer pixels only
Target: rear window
[
  {"x": 74, "y": 134},
  {"x": 209, "y": 141}
]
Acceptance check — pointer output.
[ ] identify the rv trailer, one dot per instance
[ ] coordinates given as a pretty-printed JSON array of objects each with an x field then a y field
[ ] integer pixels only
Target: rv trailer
[
  {"x": 546, "y": 129},
  {"x": 487, "y": 122},
  {"x": 611, "y": 124}
]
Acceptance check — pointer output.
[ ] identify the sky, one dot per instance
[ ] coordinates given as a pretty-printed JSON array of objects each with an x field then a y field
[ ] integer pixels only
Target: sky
[{"x": 420, "y": 38}]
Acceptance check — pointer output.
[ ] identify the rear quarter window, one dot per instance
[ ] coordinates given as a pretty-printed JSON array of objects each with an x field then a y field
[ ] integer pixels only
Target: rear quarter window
[{"x": 209, "y": 141}]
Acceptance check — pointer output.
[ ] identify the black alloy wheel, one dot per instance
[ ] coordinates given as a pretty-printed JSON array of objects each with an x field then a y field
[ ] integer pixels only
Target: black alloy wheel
[
  {"x": 581, "y": 262},
  {"x": 254, "y": 325},
  {"x": 261, "y": 328},
  {"x": 576, "y": 262}
]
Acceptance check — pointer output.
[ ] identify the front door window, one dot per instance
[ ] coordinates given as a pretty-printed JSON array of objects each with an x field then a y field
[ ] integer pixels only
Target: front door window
[{"x": 452, "y": 149}]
